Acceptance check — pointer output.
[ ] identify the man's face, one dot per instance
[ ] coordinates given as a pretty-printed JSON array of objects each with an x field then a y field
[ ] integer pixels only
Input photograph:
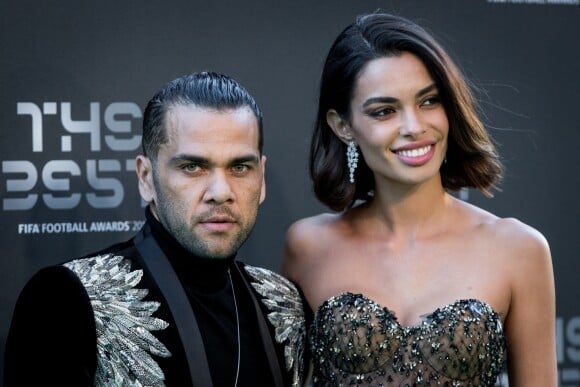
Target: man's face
[{"x": 208, "y": 180}]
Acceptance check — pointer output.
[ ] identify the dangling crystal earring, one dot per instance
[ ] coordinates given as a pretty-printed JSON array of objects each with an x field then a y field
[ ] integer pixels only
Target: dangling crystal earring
[{"x": 352, "y": 159}]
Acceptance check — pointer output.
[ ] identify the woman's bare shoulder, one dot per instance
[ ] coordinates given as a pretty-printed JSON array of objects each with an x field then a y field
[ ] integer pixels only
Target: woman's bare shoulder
[
  {"x": 513, "y": 242},
  {"x": 311, "y": 230},
  {"x": 509, "y": 237},
  {"x": 505, "y": 230},
  {"x": 305, "y": 243},
  {"x": 516, "y": 235}
]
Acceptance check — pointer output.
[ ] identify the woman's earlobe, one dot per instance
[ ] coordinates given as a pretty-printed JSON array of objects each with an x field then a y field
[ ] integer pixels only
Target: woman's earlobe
[{"x": 339, "y": 126}]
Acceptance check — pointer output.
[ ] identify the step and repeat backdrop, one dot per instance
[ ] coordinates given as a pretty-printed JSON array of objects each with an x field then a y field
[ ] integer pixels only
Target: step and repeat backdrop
[{"x": 75, "y": 76}]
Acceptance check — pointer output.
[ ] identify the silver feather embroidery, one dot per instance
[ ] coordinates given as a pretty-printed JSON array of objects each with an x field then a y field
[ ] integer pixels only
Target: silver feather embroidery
[
  {"x": 124, "y": 322},
  {"x": 283, "y": 300}
]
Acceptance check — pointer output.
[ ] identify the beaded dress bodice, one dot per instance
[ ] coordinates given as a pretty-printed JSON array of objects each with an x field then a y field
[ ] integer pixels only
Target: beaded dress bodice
[{"x": 355, "y": 341}]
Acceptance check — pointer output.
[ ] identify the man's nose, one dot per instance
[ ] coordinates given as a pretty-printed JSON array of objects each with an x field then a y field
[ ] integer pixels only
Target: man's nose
[{"x": 219, "y": 189}]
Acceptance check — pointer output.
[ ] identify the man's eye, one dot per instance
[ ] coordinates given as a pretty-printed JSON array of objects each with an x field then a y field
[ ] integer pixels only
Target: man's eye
[
  {"x": 191, "y": 167},
  {"x": 241, "y": 168}
]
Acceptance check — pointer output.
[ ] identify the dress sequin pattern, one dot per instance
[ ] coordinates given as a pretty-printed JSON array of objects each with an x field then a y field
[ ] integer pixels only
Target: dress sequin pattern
[{"x": 355, "y": 341}]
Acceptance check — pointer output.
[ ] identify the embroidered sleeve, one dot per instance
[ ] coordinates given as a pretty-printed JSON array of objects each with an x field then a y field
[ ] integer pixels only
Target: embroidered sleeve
[
  {"x": 286, "y": 314},
  {"x": 124, "y": 322}
]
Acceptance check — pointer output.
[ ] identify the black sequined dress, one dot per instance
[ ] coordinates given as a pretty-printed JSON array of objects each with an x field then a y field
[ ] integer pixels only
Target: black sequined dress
[{"x": 355, "y": 341}]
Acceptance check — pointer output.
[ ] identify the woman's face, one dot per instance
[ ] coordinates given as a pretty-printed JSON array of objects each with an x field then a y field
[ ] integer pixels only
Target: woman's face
[{"x": 398, "y": 120}]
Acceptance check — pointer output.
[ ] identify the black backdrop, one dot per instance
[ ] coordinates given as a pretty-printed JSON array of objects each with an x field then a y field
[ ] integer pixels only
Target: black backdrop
[{"x": 74, "y": 77}]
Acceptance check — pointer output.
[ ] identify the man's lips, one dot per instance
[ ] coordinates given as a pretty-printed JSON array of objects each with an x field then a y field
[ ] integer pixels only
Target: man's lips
[
  {"x": 218, "y": 222},
  {"x": 219, "y": 219}
]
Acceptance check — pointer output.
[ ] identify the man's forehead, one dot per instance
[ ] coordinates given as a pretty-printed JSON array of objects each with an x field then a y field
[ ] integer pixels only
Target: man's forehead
[
  {"x": 178, "y": 111},
  {"x": 209, "y": 123},
  {"x": 208, "y": 134}
]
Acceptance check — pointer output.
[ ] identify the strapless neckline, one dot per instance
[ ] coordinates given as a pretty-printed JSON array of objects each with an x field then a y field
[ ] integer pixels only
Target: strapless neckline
[
  {"x": 355, "y": 340},
  {"x": 426, "y": 318}
]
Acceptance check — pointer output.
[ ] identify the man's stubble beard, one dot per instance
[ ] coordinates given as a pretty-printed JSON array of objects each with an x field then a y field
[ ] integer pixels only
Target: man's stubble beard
[{"x": 176, "y": 226}]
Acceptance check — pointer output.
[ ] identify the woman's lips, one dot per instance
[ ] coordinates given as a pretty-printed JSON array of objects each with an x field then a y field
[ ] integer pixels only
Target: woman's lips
[{"x": 415, "y": 156}]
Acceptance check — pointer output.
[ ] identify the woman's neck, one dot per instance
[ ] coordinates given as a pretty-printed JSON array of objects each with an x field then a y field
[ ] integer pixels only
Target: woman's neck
[{"x": 408, "y": 209}]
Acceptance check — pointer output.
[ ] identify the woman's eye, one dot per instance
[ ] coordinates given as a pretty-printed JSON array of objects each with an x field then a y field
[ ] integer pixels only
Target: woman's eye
[
  {"x": 434, "y": 100},
  {"x": 382, "y": 112}
]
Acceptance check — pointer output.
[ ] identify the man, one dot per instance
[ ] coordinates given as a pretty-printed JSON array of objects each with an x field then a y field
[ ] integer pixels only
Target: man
[{"x": 171, "y": 306}]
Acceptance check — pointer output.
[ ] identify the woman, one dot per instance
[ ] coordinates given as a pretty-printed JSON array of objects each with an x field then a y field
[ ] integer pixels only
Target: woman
[{"x": 408, "y": 284}]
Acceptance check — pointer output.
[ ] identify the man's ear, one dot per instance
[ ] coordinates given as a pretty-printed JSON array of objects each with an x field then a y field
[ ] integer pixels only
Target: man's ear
[
  {"x": 339, "y": 126},
  {"x": 263, "y": 184},
  {"x": 144, "y": 169}
]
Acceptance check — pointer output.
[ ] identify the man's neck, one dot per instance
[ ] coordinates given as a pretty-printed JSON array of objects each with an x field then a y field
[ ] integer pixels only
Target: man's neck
[{"x": 208, "y": 274}]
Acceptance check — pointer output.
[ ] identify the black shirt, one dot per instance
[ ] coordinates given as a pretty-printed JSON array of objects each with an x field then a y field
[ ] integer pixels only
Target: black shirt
[{"x": 209, "y": 290}]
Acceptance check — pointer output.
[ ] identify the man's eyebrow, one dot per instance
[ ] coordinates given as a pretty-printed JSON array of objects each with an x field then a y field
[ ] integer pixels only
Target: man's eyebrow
[
  {"x": 178, "y": 159},
  {"x": 420, "y": 93},
  {"x": 246, "y": 159},
  {"x": 186, "y": 158}
]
